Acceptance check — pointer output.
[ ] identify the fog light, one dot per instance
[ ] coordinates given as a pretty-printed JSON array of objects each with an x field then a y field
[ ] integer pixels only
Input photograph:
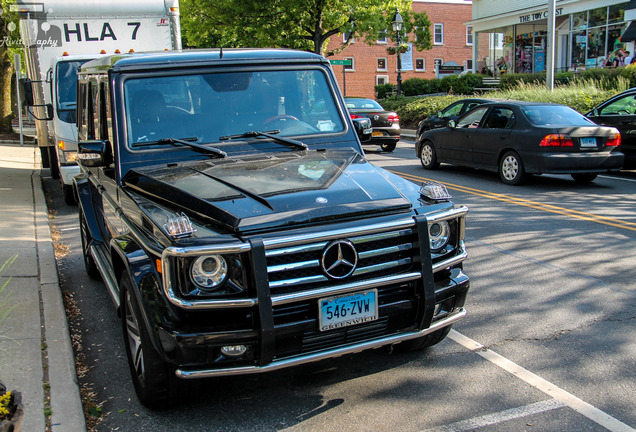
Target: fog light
[{"x": 233, "y": 350}]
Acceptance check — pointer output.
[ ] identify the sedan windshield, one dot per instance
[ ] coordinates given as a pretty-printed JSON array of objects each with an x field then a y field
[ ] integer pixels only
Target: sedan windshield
[
  {"x": 552, "y": 115},
  {"x": 214, "y": 105}
]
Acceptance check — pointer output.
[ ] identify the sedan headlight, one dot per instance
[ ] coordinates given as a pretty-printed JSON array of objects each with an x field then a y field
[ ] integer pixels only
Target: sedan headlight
[
  {"x": 208, "y": 272},
  {"x": 439, "y": 233}
]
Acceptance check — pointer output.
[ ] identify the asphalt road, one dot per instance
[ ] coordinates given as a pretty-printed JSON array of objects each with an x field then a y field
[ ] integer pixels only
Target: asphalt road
[{"x": 549, "y": 343}]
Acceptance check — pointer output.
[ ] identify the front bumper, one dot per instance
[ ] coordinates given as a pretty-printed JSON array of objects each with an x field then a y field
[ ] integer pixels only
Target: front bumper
[{"x": 279, "y": 326}]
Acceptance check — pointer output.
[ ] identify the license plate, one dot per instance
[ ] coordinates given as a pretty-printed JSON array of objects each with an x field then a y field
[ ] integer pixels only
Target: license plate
[
  {"x": 348, "y": 309},
  {"x": 588, "y": 142},
  {"x": 376, "y": 133}
]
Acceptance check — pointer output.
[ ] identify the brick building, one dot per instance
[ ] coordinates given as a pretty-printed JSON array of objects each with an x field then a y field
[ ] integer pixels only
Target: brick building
[{"x": 372, "y": 65}]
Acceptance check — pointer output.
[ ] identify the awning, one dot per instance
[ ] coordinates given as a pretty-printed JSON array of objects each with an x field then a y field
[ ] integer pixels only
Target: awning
[{"x": 630, "y": 33}]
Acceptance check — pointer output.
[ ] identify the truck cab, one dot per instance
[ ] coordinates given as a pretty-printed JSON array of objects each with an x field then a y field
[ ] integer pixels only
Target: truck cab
[{"x": 227, "y": 204}]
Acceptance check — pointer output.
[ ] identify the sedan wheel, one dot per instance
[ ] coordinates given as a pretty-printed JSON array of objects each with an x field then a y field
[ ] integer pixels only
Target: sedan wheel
[
  {"x": 428, "y": 157},
  {"x": 511, "y": 169}
]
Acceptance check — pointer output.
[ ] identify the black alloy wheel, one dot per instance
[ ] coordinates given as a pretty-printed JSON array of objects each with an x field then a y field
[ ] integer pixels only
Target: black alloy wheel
[
  {"x": 388, "y": 147},
  {"x": 89, "y": 261},
  {"x": 155, "y": 383}
]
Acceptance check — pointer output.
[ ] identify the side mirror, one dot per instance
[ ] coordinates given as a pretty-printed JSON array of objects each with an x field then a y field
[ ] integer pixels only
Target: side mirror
[
  {"x": 452, "y": 124},
  {"x": 439, "y": 114},
  {"x": 26, "y": 92},
  {"x": 49, "y": 112},
  {"x": 363, "y": 128},
  {"x": 95, "y": 153},
  {"x": 595, "y": 112}
]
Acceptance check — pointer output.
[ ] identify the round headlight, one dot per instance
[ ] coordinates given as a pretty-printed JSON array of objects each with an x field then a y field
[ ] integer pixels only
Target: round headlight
[
  {"x": 438, "y": 234},
  {"x": 209, "y": 271}
]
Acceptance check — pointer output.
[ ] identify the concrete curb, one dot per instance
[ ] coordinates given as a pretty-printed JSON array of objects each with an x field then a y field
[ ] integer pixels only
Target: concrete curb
[{"x": 66, "y": 404}]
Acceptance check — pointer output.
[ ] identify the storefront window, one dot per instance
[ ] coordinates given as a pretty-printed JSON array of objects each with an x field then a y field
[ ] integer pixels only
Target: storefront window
[
  {"x": 579, "y": 21},
  {"x": 579, "y": 45},
  {"x": 598, "y": 17},
  {"x": 596, "y": 50},
  {"x": 617, "y": 14}
]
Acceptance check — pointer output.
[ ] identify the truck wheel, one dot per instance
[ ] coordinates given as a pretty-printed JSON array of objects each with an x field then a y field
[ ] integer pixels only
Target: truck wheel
[
  {"x": 428, "y": 157},
  {"x": 89, "y": 261},
  {"x": 423, "y": 342},
  {"x": 55, "y": 168},
  {"x": 388, "y": 147},
  {"x": 69, "y": 195},
  {"x": 155, "y": 383},
  {"x": 511, "y": 169}
]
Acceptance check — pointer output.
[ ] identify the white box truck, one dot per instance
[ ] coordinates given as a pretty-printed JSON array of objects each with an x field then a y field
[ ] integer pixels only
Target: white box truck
[{"x": 58, "y": 37}]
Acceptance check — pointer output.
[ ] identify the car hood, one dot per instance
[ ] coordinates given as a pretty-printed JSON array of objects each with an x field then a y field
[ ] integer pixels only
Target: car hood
[{"x": 266, "y": 191}]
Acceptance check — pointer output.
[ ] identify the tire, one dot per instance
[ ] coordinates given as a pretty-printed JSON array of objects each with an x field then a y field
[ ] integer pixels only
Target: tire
[
  {"x": 155, "y": 383},
  {"x": 424, "y": 342},
  {"x": 89, "y": 261},
  {"x": 388, "y": 147},
  {"x": 69, "y": 195},
  {"x": 55, "y": 168},
  {"x": 511, "y": 169},
  {"x": 428, "y": 157},
  {"x": 583, "y": 177}
]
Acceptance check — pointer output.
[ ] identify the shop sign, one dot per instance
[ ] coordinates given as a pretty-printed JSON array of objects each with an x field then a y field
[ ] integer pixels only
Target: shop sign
[{"x": 538, "y": 15}]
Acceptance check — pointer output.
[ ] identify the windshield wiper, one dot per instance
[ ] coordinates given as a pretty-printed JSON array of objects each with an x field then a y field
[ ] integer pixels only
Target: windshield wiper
[
  {"x": 186, "y": 142},
  {"x": 269, "y": 134}
]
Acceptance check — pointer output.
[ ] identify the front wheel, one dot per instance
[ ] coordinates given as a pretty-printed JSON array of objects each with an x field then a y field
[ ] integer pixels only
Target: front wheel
[
  {"x": 511, "y": 169},
  {"x": 155, "y": 382},
  {"x": 428, "y": 157},
  {"x": 388, "y": 147},
  {"x": 583, "y": 177}
]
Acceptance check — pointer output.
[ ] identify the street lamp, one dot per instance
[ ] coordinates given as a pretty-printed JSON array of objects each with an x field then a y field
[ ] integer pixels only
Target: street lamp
[{"x": 397, "y": 28}]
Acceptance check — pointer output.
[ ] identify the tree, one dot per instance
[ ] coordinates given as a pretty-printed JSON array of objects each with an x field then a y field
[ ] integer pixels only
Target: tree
[
  {"x": 304, "y": 25},
  {"x": 7, "y": 72}
]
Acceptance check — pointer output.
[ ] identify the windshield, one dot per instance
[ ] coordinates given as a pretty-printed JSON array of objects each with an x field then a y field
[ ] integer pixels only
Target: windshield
[
  {"x": 209, "y": 106},
  {"x": 67, "y": 89},
  {"x": 549, "y": 115}
]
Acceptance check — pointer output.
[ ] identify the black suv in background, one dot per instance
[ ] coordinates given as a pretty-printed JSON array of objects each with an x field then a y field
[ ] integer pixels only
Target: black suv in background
[{"x": 226, "y": 202}]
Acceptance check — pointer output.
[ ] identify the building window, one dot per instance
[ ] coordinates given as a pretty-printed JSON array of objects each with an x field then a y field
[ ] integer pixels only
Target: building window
[
  {"x": 438, "y": 62},
  {"x": 381, "y": 79},
  {"x": 382, "y": 64},
  {"x": 346, "y": 36},
  {"x": 469, "y": 65},
  {"x": 382, "y": 37},
  {"x": 352, "y": 66},
  {"x": 438, "y": 34},
  {"x": 420, "y": 64},
  {"x": 469, "y": 35}
]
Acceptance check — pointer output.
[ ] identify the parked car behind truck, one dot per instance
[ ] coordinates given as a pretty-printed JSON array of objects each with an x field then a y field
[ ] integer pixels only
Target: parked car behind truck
[
  {"x": 60, "y": 35},
  {"x": 227, "y": 204}
]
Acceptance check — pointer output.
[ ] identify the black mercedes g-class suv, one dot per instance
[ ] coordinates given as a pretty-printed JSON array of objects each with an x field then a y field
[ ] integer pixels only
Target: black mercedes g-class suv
[{"x": 227, "y": 204}]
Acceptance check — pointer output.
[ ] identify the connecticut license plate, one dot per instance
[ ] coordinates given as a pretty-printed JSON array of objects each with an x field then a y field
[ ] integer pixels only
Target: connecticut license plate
[
  {"x": 588, "y": 142},
  {"x": 348, "y": 309}
]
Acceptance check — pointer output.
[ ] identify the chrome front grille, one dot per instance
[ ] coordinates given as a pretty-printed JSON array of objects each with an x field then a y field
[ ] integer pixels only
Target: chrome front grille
[{"x": 298, "y": 267}]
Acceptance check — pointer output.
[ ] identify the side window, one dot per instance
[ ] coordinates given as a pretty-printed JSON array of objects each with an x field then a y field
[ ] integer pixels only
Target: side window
[
  {"x": 81, "y": 111},
  {"x": 472, "y": 119},
  {"x": 86, "y": 127},
  {"x": 452, "y": 110},
  {"x": 500, "y": 118},
  {"x": 92, "y": 110},
  {"x": 622, "y": 106},
  {"x": 102, "y": 113}
]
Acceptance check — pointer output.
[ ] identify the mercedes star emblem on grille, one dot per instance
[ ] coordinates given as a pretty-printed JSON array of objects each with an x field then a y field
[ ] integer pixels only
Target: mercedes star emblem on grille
[{"x": 339, "y": 259}]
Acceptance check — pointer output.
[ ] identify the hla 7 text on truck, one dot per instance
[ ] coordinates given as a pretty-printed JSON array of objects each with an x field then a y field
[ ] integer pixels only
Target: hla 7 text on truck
[{"x": 227, "y": 204}]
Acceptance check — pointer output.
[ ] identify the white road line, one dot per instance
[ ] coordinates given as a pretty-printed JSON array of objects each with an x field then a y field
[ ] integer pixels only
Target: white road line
[
  {"x": 578, "y": 405},
  {"x": 500, "y": 417},
  {"x": 617, "y": 178},
  {"x": 70, "y": 229}
]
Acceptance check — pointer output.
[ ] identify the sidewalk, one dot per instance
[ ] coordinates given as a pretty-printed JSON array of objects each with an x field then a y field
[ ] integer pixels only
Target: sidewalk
[{"x": 36, "y": 357}]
